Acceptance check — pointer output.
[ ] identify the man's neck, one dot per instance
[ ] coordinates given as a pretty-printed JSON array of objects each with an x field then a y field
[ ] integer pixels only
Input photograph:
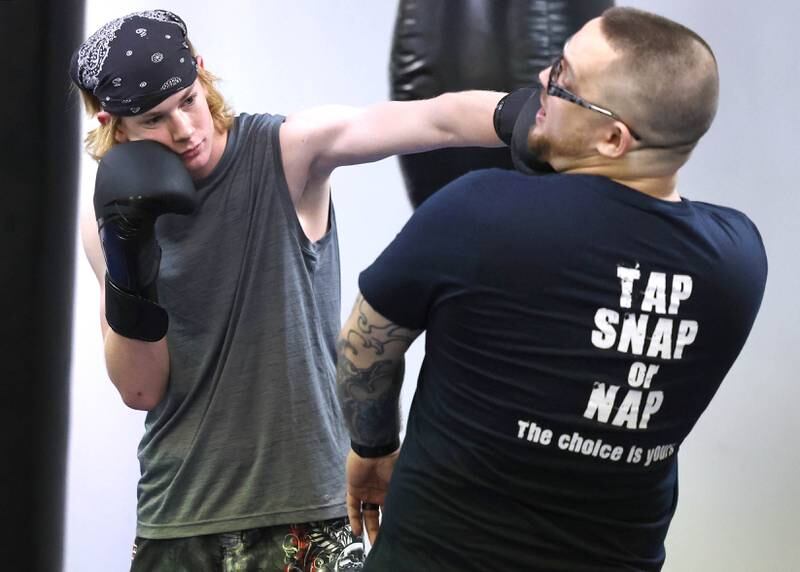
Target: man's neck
[
  {"x": 663, "y": 187},
  {"x": 648, "y": 175}
]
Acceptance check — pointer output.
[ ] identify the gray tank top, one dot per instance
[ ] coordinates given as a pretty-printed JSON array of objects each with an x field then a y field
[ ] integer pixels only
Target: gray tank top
[{"x": 249, "y": 433}]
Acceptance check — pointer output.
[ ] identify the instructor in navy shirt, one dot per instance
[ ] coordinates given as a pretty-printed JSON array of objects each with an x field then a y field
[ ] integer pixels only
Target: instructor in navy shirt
[{"x": 577, "y": 325}]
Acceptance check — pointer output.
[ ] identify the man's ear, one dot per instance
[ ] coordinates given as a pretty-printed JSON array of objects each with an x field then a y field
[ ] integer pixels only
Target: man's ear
[
  {"x": 104, "y": 118},
  {"x": 617, "y": 140}
]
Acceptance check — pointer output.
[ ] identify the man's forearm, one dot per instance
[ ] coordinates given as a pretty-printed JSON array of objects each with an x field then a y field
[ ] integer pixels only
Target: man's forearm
[
  {"x": 139, "y": 370},
  {"x": 369, "y": 375},
  {"x": 469, "y": 117},
  {"x": 370, "y": 398}
]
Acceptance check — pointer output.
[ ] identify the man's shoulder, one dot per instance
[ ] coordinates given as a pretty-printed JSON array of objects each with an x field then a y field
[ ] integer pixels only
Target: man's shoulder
[
  {"x": 737, "y": 243},
  {"x": 256, "y": 121},
  {"x": 486, "y": 198},
  {"x": 728, "y": 220},
  {"x": 507, "y": 176},
  {"x": 498, "y": 190},
  {"x": 499, "y": 180},
  {"x": 721, "y": 212},
  {"x": 255, "y": 129}
]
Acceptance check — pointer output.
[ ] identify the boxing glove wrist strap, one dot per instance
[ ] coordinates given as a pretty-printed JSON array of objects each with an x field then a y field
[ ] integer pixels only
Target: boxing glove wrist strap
[
  {"x": 378, "y": 451},
  {"x": 132, "y": 316},
  {"x": 507, "y": 111}
]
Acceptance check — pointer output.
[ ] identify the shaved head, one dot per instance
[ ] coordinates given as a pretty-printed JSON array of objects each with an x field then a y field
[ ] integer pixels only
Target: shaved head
[{"x": 664, "y": 76}]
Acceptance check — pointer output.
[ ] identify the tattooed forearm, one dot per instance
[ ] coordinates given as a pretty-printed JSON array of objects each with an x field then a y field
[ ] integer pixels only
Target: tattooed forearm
[
  {"x": 370, "y": 398},
  {"x": 369, "y": 374}
]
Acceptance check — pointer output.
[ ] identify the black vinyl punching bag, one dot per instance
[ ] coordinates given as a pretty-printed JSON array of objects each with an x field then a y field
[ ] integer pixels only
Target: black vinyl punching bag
[
  {"x": 39, "y": 175},
  {"x": 453, "y": 45}
]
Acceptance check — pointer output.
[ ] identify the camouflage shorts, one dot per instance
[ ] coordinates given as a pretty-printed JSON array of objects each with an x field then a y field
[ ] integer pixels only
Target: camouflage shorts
[{"x": 325, "y": 546}]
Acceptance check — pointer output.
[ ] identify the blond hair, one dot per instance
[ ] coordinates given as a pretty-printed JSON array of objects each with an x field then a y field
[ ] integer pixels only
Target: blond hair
[{"x": 100, "y": 139}]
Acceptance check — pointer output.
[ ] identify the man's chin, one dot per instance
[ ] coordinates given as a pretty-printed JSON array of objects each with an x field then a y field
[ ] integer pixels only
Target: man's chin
[
  {"x": 539, "y": 145},
  {"x": 537, "y": 160}
]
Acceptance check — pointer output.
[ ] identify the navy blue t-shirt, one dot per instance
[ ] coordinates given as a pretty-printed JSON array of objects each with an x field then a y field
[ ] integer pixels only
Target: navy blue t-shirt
[{"x": 576, "y": 330}]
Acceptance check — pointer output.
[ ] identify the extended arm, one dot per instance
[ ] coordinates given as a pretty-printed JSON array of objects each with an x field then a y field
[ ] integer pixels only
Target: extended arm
[
  {"x": 316, "y": 141},
  {"x": 397, "y": 127}
]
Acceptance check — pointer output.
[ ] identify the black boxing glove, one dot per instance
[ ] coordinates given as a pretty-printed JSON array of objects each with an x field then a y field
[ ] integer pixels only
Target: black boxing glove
[
  {"x": 507, "y": 111},
  {"x": 136, "y": 183},
  {"x": 524, "y": 159},
  {"x": 514, "y": 117}
]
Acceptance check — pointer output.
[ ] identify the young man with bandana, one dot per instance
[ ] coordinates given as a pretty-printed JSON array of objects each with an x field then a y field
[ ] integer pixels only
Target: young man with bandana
[
  {"x": 218, "y": 260},
  {"x": 577, "y": 325}
]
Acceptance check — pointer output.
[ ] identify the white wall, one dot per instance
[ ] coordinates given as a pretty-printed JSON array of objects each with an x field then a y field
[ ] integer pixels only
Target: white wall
[
  {"x": 739, "y": 491},
  {"x": 739, "y": 468}
]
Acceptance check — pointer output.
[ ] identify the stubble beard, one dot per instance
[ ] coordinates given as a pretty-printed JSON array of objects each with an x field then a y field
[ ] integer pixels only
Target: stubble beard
[{"x": 547, "y": 148}]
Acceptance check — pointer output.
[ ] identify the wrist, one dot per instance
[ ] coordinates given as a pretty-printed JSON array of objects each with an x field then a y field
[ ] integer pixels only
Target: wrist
[
  {"x": 371, "y": 452},
  {"x": 133, "y": 316}
]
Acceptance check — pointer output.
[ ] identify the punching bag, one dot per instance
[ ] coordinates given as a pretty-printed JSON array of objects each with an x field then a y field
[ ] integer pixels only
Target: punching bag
[
  {"x": 454, "y": 45},
  {"x": 39, "y": 174}
]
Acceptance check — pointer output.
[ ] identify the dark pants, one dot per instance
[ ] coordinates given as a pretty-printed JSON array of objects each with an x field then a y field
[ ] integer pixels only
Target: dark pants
[{"x": 325, "y": 546}]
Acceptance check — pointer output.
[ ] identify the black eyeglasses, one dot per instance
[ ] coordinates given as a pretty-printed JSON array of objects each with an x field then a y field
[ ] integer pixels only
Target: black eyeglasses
[{"x": 560, "y": 92}]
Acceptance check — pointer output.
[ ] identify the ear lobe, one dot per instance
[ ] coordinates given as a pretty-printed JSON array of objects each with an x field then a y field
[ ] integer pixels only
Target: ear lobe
[{"x": 104, "y": 117}]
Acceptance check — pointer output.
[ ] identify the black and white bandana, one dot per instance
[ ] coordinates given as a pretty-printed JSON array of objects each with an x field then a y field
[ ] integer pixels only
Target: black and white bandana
[{"x": 135, "y": 62}]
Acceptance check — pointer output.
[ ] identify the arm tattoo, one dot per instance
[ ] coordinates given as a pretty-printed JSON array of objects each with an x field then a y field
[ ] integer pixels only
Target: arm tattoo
[{"x": 369, "y": 375}]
